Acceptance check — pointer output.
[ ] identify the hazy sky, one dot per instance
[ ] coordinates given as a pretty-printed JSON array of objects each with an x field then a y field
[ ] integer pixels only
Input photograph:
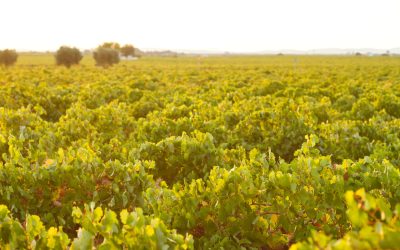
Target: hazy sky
[{"x": 223, "y": 25}]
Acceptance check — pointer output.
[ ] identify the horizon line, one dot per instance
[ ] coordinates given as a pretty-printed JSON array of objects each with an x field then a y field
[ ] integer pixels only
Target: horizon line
[{"x": 327, "y": 50}]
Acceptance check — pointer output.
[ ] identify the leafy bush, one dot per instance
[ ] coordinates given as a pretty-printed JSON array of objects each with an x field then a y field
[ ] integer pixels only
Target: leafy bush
[
  {"x": 345, "y": 103},
  {"x": 128, "y": 50},
  {"x": 8, "y": 57},
  {"x": 68, "y": 56},
  {"x": 183, "y": 157},
  {"x": 391, "y": 104},
  {"x": 362, "y": 109},
  {"x": 98, "y": 229},
  {"x": 106, "y": 56},
  {"x": 374, "y": 226},
  {"x": 111, "y": 45}
]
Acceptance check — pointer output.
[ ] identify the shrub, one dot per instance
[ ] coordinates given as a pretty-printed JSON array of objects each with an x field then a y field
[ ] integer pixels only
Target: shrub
[
  {"x": 362, "y": 109},
  {"x": 106, "y": 56},
  {"x": 68, "y": 56},
  {"x": 8, "y": 57},
  {"x": 345, "y": 103},
  {"x": 111, "y": 45},
  {"x": 391, "y": 103},
  {"x": 128, "y": 50}
]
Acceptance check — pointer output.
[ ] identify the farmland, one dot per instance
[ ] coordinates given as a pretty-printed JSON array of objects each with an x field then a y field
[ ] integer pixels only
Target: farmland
[{"x": 262, "y": 152}]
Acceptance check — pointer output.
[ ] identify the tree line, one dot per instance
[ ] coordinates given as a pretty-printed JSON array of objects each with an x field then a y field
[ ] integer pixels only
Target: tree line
[{"x": 105, "y": 55}]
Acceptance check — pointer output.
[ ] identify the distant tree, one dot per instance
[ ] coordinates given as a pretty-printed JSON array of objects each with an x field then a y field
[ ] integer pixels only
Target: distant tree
[
  {"x": 8, "y": 57},
  {"x": 128, "y": 50},
  {"x": 358, "y": 54},
  {"x": 106, "y": 56},
  {"x": 68, "y": 56},
  {"x": 111, "y": 45},
  {"x": 386, "y": 54}
]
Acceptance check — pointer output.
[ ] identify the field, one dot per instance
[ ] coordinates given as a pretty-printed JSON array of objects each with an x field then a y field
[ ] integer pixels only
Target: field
[{"x": 250, "y": 152}]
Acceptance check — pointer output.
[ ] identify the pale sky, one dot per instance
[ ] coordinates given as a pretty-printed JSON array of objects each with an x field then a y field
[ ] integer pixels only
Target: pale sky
[{"x": 220, "y": 25}]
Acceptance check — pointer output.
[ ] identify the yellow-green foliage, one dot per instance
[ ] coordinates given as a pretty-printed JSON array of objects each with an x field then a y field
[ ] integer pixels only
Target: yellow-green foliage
[{"x": 252, "y": 152}]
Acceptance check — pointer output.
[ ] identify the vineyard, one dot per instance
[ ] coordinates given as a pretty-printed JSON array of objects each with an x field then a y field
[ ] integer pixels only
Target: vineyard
[{"x": 256, "y": 152}]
